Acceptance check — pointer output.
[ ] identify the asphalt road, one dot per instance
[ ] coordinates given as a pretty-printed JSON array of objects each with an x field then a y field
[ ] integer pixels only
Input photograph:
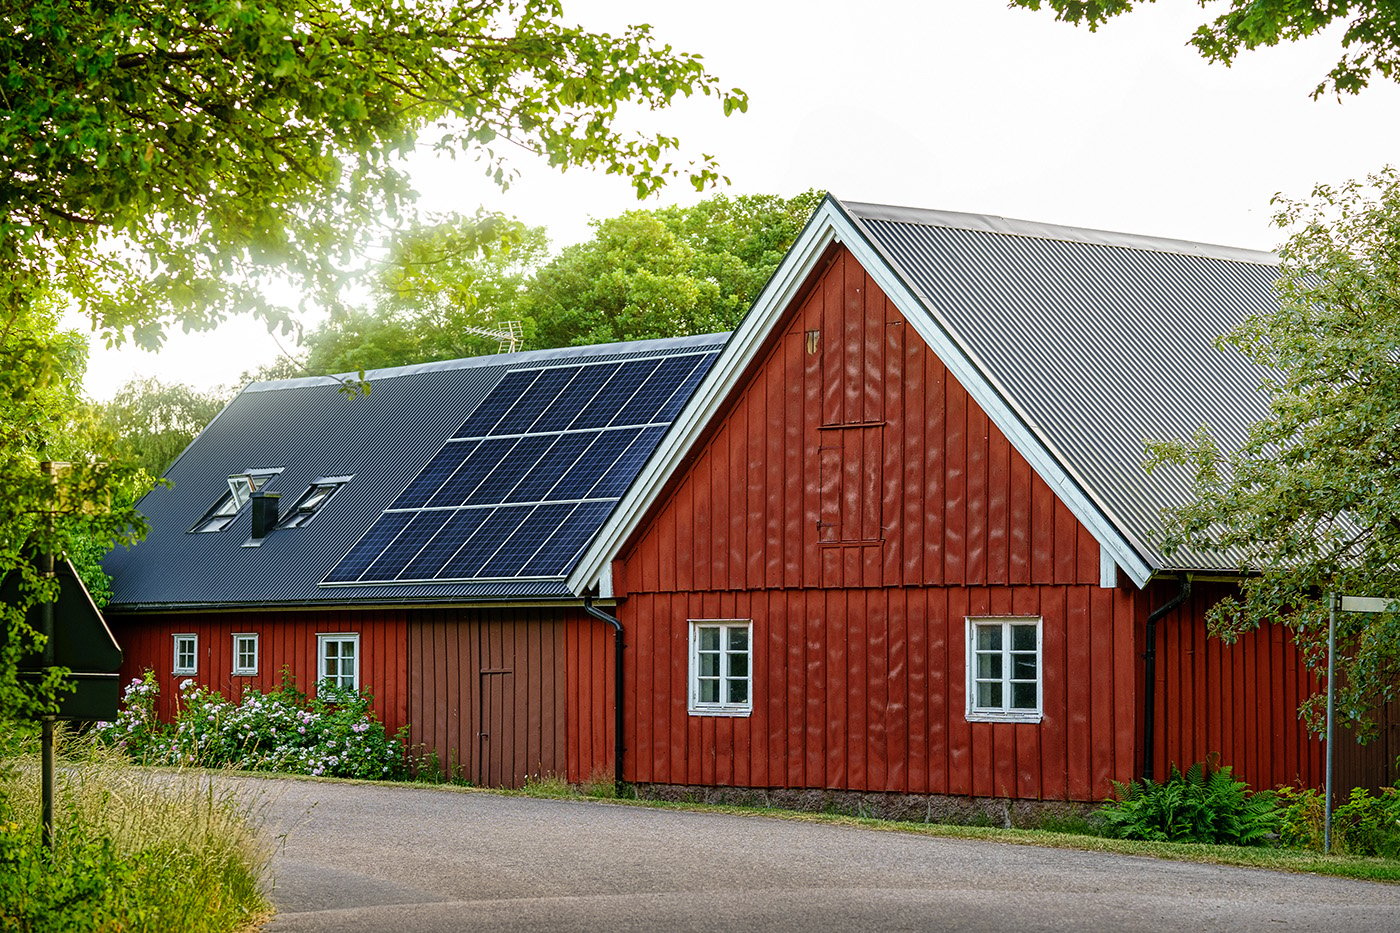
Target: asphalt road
[{"x": 365, "y": 858}]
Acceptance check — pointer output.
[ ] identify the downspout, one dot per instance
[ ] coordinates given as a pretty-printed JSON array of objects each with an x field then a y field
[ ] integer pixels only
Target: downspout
[
  {"x": 1149, "y": 700},
  {"x": 597, "y": 613}
]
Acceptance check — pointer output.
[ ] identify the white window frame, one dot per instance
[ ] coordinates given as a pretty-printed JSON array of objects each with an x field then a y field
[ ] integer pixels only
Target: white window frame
[
  {"x": 238, "y": 639},
  {"x": 193, "y": 667},
  {"x": 324, "y": 638},
  {"x": 1006, "y": 712},
  {"x": 723, "y": 707}
]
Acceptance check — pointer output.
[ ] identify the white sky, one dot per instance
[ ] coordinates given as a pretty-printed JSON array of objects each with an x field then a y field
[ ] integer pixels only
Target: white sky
[{"x": 952, "y": 104}]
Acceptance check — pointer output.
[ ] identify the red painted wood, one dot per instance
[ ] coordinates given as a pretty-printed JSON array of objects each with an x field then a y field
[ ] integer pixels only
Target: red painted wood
[
  {"x": 1239, "y": 700},
  {"x": 857, "y": 505}
]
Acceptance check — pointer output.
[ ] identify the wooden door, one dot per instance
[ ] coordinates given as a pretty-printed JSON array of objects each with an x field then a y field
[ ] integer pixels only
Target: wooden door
[{"x": 495, "y": 730}]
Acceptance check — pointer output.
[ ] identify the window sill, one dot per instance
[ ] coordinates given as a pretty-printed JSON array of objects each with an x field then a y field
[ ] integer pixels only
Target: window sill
[
  {"x": 989, "y": 716},
  {"x": 732, "y": 712}
]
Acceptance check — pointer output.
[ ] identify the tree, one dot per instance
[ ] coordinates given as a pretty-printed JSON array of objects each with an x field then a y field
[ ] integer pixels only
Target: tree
[
  {"x": 1370, "y": 41},
  {"x": 150, "y": 422},
  {"x": 163, "y": 161},
  {"x": 646, "y": 273},
  {"x": 1312, "y": 499},
  {"x": 437, "y": 281},
  {"x": 664, "y": 273}
]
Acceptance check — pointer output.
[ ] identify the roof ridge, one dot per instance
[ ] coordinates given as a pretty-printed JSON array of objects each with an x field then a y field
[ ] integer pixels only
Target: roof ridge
[
  {"x": 1010, "y": 226},
  {"x": 497, "y": 359}
]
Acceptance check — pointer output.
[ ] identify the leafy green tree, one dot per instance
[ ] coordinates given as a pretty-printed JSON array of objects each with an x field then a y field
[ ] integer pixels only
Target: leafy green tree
[
  {"x": 151, "y": 422},
  {"x": 1370, "y": 41},
  {"x": 646, "y": 273},
  {"x": 1312, "y": 499},
  {"x": 664, "y": 273},
  {"x": 437, "y": 282},
  {"x": 164, "y": 161}
]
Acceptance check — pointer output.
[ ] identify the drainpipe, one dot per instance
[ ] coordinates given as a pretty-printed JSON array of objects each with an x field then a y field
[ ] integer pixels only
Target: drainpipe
[
  {"x": 1149, "y": 700},
  {"x": 597, "y": 613}
]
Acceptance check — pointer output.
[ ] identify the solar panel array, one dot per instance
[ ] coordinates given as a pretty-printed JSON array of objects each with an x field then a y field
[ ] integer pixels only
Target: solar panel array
[{"x": 529, "y": 477}]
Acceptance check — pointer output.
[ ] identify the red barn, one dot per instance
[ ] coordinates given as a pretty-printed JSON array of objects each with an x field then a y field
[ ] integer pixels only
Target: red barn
[
  {"x": 898, "y": 538},
  {"x": 911, "y": 492}
]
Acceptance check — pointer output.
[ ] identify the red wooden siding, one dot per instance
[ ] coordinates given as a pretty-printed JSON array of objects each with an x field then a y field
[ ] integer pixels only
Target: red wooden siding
[
  {"x": 857, "y": 505},
  {"x": 864, "y": 464},
  {"x": 1240, "y": 700},
  {"x": 865, "y": 690},
  {"x": 285, "y": 639},
  {"x": 536, "y": 681},
  {"x": 489, "y": 692}
]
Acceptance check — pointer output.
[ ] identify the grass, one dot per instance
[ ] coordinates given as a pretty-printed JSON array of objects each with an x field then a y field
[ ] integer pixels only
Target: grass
[{"x": 135, "y": 849}]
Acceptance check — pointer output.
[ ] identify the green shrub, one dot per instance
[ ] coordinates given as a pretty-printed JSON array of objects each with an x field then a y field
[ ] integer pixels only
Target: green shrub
[
  {"x": 1364, "y": 825},
  {"x": 1368, "y": 825},
  {"x": 1300, "y": 817},
  {"x": 334, "y": 733},
  {"x": 132, "y": 850},
  {"x": 1203, "y": 805}
]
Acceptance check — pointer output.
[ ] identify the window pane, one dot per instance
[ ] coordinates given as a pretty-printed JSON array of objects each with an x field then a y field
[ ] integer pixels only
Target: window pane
[
  {"x": 226, "y": 506},
  {"x": 738, "y": 691},
  {"x": 332, "y": 649},
  {"x": 709, "y": 691},
  {"x": 1023, "y": 638},
  {"x": 709, "y": 665},
  {"x": 347, "y": 651},
  {"x": 739, "y": 639},
  {"x": 709, "y": 638},
  {"x": 989, "y": 637},
  {"x": 1023, "y": 696},
  {"x": 989, "y": 695},
  {"x": 1023, "y": 667},
  {"x": 738, "y": 665},
  {"x": 989, "y": 665}
]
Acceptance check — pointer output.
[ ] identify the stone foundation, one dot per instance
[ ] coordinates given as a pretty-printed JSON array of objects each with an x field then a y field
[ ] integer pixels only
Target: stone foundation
[{"x": 915, "y": 808}]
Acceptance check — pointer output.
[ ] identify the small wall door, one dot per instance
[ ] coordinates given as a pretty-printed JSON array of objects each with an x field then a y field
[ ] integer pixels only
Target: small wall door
[{"x": 496, "y": 759}]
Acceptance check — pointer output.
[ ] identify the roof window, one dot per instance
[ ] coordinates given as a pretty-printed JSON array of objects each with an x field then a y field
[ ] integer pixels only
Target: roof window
[
  {"x": 241, "y": 487},
  {"x": 316, "y": 495}
]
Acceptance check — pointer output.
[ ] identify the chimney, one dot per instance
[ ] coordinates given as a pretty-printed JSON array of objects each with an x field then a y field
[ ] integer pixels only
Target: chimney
[{"x": 264, "y": 508}]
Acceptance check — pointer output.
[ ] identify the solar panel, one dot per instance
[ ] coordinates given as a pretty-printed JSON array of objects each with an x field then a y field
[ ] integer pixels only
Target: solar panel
[{"x": 530, "y": 475}]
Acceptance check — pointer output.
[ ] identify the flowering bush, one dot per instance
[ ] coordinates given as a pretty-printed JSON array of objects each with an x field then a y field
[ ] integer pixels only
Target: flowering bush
[{"x": 333, "y": 733}]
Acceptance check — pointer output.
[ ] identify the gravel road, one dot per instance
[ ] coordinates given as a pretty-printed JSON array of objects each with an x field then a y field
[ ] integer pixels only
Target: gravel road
[{"x": 411, "y": 860}]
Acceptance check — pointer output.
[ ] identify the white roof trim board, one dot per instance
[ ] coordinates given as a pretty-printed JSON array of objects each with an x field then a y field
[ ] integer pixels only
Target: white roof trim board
[{"x": 832, "y": 223}]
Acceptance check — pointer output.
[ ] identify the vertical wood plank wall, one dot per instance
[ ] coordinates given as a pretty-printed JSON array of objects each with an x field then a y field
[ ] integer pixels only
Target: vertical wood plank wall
[
  {"x": 530, "y": 679},
  {"x": 489, "y": 692},
  {"x": 1239, "y": 700},
  {"x": 285, "y": 639},
  {"x": 856, "y": 504}
]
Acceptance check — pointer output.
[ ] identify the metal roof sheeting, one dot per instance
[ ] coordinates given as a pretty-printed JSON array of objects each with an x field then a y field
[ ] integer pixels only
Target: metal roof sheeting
[
  {"x": 312, "y": 430},
  {"x": 1101, "y": 341}
]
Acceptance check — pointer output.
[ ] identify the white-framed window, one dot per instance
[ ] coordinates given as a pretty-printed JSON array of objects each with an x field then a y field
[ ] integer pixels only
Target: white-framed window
[
  {"x": 186, "y": 654},
  {"x": 338, "y": 660},
  {"x": 1004, "y": 681},
  {"x": 316, "y": 495},
  {"x": 245, "y": 653},
  {"x": 225, "y": 509},
  {"x": 721, "y": 667}
]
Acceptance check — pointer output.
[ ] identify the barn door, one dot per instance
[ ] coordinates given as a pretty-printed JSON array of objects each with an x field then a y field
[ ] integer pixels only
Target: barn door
[{"x": 495, "y": 730}]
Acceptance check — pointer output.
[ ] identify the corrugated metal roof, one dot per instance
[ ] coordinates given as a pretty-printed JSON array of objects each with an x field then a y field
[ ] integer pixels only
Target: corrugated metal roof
[
  {"x": 1101, "y": 341},
  {"x": 310, "y": 430}
]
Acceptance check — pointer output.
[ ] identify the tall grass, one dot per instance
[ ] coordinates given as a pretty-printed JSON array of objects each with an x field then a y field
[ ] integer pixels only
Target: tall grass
[{"x": 133, "y": 850}]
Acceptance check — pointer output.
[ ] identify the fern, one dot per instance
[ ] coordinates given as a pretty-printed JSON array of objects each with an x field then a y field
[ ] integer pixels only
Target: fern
[{"x": 1204, "y": 804}]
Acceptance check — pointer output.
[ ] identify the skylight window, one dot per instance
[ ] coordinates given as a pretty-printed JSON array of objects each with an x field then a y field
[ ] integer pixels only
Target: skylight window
[
  {"x": 241, "y": 487},
  {"x": 317, "y": 495}
]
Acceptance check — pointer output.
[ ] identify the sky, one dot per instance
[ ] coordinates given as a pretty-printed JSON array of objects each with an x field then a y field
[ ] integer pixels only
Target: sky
[{"x": 961, "y": 105}]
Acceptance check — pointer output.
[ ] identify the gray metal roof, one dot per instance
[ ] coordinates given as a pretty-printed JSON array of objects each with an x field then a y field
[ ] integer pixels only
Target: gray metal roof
[
  {"x": 1099, "y": 341},
  {"x": 311, "y": 430}
]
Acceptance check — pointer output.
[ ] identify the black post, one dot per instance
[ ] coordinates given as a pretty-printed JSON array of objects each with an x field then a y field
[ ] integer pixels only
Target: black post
[{"x": 46, "y": 724}]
